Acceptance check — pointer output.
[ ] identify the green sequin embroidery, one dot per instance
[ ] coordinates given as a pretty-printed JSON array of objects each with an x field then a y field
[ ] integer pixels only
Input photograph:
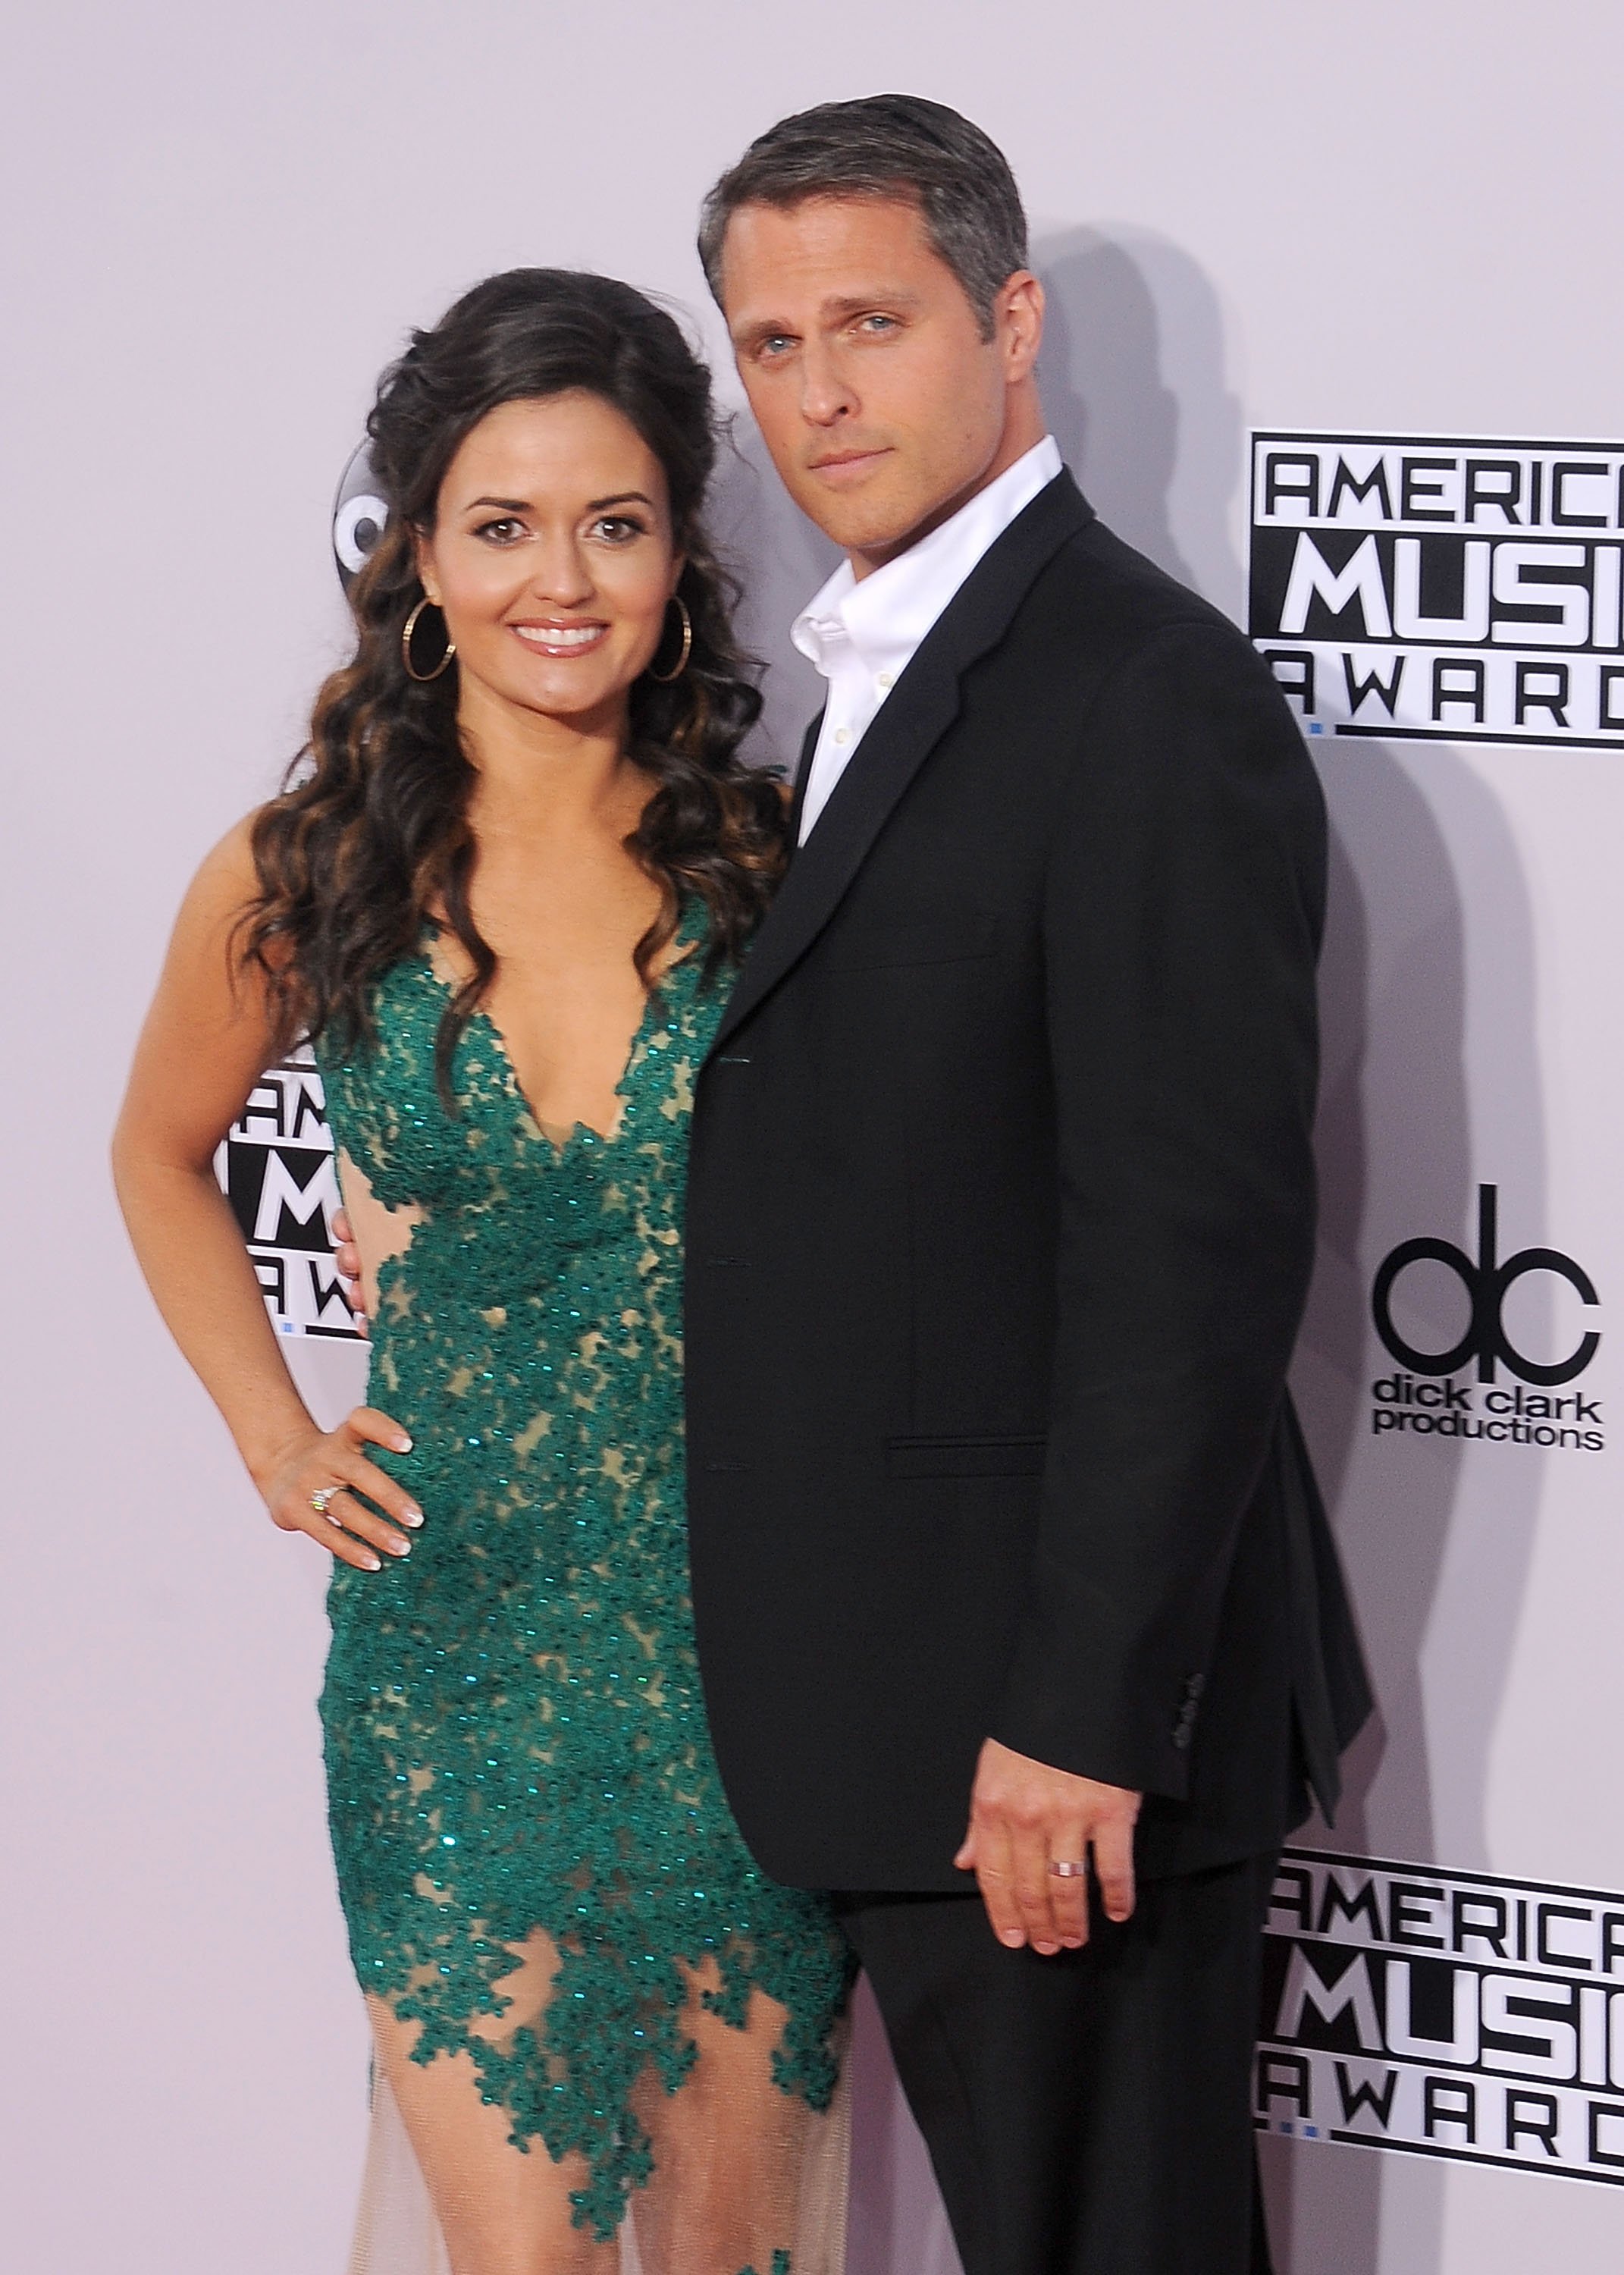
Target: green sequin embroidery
[{"x": 514, "y": 1733}]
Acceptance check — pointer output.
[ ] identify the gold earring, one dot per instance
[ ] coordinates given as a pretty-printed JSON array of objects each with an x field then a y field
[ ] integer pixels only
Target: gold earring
[
  {"x": 666, "y": 677},
  {"x": 406, "y": 631}
]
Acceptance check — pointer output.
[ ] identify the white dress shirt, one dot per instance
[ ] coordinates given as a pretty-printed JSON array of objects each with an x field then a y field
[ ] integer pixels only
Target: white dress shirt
[{"x": 862, "y": 637}]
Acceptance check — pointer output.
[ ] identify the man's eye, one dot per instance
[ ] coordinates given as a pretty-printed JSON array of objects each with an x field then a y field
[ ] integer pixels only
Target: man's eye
[
  {"x": 877, "y": 326},
  {"x": 776, "y": 343}
]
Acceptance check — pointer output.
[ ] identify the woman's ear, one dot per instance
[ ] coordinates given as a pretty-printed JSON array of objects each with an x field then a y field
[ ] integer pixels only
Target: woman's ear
[
  {"x": 423, "y": 558},
  {"x": 679, "y": 562}
]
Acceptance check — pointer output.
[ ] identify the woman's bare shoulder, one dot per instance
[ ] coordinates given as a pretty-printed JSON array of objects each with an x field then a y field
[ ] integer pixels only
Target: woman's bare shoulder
[{"x": 227, "y": 877}]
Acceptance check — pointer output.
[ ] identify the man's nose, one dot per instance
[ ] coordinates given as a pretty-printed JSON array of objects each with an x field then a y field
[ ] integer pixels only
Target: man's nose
[{"x": 826, "y": 393}]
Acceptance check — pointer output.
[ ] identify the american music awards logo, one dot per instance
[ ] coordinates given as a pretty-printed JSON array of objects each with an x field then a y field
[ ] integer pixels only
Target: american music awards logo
[
  {"x": 1440, "y": 588},
  {"x": 1482, "y": 1382},
  {"x": 277, "y": 1170},
  {"x": 1452, "y": 2014}
]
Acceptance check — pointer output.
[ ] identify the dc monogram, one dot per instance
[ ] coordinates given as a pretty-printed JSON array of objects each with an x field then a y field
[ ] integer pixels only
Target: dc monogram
[{"x": 1485, "y": 1282}]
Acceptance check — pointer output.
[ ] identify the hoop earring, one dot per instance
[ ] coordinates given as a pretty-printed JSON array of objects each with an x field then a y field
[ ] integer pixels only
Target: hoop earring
[
  {"x": 666, "y": 677},
  {"x": 406, "y": 631}
]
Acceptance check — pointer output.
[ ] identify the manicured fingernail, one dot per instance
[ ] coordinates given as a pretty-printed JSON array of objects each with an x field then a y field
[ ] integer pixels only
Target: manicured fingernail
[
  {"x": 1012, "y": 1937},
  {"x": 372, "y": 1563},
  {"x": 400, "y": 1547},
  {"x": 411, "y": 1516},
  {"x": 402, "y": 1444}
]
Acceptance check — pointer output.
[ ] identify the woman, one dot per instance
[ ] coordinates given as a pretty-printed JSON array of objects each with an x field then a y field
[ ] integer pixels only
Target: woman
[{"x": 502, "y": 896}]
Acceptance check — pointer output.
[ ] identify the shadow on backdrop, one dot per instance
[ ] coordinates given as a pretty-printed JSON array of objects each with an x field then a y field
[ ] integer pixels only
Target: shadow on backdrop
[
  {"x": 780, "y": 561},
  {"x": 1135, "y": 379},
  {"x": 1419, "y": 841}
]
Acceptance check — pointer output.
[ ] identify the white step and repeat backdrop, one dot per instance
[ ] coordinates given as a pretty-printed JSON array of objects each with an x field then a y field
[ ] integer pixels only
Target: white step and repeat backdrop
[{"x": 1336, "y": 336}]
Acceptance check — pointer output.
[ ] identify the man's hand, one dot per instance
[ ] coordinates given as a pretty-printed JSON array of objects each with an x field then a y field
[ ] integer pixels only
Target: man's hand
[
  {"x": 347, "y": 1260},
  {"x": 1024, "y": 1816}
]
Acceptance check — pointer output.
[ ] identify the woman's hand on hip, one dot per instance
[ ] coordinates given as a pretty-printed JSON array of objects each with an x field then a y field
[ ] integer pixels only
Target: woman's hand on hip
[{"x": 321, "y": 1482}]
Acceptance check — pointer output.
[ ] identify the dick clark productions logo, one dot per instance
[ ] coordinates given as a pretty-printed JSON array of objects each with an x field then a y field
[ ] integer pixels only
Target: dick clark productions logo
[{"x": 1425, "y": 1400}]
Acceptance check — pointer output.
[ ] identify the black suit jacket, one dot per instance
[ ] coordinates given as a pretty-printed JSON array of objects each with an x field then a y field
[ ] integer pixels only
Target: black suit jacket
[{"x": 1000, "y": 1222}]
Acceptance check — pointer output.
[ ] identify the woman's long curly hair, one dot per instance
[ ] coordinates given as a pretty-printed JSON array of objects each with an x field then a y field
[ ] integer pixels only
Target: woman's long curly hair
[{"x": 370, "y": 835}]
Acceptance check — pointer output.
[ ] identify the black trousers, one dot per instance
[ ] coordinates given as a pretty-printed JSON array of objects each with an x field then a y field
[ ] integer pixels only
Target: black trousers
[{"x": 1087, "y": 2113}]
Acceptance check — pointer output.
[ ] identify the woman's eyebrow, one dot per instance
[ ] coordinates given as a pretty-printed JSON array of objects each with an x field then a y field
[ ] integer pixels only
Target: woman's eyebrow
[{"x": 593, "y": 506}]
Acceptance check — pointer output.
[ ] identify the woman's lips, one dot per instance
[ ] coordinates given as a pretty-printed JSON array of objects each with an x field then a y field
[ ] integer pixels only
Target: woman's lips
[{"x": 561, "y": 639}]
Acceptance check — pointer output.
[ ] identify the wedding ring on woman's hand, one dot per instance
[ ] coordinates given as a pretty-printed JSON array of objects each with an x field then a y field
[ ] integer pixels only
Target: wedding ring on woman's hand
[
  {"x": 1067, "y": 1871},
  {"x": 320, "y": 1499}
]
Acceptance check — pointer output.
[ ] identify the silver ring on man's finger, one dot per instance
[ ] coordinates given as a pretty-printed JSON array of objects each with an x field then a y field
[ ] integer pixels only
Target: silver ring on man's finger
[
  {"x": 1063, "y": 1868},
  {"x": 320, "y": 1499}
]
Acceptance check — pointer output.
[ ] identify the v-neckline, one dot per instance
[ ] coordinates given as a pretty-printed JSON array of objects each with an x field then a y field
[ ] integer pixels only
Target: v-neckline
[{"x": 577, "y": 1130}]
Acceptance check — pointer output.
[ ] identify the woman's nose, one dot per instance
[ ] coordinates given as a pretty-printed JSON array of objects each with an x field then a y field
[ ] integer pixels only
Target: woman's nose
[{"x": 559, "y": 572}]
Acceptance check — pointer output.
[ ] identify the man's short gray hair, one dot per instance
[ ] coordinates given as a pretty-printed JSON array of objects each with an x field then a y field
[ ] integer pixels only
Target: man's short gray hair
[{"x": 887, "y": 146}]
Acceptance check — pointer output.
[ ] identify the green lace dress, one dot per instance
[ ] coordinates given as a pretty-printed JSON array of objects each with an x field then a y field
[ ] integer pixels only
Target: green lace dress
[{"x": 517, "y": 1750}]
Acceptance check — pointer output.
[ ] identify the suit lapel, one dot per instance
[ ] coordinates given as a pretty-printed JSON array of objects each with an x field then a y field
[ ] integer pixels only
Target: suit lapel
[
  {"x": 802, "y": 776},
  {"x": 910, "y": 724}
]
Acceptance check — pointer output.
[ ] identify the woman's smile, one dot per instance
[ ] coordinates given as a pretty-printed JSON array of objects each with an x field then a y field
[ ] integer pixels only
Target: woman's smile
[{"x": 558, "y": 639}]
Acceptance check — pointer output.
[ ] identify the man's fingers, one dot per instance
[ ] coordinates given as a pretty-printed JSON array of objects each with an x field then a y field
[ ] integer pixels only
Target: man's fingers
[
  {"x": 1069, "y": 1892},
  {"x": 1033, "y": 1886},
  {"x": 995, "y": 1879},
  {"x": 1114, "y": 1866},
  {"x": 347, "y": 1259},
  {"x": 1025, "y": 1817}
]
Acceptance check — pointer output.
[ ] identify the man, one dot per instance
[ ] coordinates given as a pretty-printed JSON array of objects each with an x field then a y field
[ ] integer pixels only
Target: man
[{"x": 1007, "y": 1559}]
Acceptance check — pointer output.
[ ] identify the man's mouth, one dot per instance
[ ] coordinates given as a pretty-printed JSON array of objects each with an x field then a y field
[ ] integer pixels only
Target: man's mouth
[{"x": 837, "y": 463}]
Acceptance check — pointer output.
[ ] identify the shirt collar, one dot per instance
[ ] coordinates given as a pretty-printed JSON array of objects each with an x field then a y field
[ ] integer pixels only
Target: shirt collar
[{"x": 887, "y": 617}]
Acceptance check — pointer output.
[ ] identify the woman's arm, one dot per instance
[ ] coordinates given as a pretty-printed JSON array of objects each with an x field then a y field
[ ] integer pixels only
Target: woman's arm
[{"x": 207, "y": 1039}]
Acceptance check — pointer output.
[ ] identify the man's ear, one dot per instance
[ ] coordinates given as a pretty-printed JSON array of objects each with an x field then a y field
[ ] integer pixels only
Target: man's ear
[{"x": 1017, "y": 318}]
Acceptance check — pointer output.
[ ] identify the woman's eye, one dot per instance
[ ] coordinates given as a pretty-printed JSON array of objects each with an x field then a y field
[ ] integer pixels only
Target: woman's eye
[
  {"x": 618, "y": 528},
  {"x": 500, "y": 533}
]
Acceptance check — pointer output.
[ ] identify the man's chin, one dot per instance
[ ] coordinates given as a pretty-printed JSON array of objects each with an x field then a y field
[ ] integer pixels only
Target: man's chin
[{"x": 870, "y": 525}]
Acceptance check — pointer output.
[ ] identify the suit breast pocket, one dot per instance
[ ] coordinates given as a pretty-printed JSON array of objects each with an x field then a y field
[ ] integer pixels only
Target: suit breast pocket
[
  {"x": 903, "y": 942},
  {"x": 992, "y": 1454}
]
